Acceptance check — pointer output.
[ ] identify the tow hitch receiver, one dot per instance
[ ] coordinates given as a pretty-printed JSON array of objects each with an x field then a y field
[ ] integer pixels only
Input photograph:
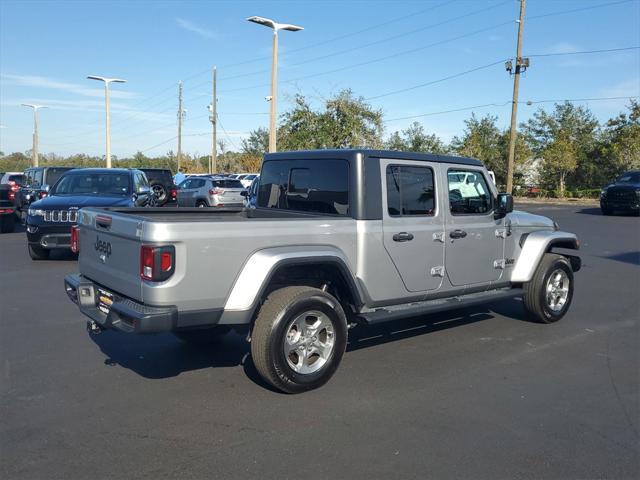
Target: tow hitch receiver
[{"x": 93, "y": 327}]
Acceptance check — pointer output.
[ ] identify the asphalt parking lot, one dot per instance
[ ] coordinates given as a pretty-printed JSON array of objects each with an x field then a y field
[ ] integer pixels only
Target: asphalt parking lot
[{"x": 478, "y": 393}]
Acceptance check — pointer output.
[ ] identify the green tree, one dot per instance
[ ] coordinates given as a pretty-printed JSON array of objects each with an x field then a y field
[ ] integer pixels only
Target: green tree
[
  {"x": 561, "y": 158},
  {"x": 566, "y": 123},
  {"x": 257, "y": 143},
  {"x": 415, "y": 139},
  {"x": 620, "y": 143}
]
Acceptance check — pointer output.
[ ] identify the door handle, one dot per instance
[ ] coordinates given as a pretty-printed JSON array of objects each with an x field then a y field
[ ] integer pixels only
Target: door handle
[
  {"x": 402, "y": 237},
  {"x": 458, "y": 234}
]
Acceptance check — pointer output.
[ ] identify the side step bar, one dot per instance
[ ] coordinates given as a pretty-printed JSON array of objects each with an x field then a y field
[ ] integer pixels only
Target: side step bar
[{"x": 415, "y": 309}]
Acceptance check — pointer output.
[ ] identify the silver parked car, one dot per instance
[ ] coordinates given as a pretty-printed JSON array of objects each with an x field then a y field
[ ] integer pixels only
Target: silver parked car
[{"x": 210, "y": 192}]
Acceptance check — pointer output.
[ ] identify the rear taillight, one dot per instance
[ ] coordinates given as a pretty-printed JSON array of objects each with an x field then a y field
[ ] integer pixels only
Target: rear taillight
[
  {"x": 12, "y": 196},
  {"x": 157, "y": 263},
  {"x": 216, "y": 191},
  {"x": 75, "y": 245},
  {"x": 173, "y": 193}
]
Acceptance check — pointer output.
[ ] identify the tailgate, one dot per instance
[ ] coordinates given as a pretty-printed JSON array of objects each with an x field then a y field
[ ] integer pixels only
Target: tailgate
[{"x": 110, "y": 251}]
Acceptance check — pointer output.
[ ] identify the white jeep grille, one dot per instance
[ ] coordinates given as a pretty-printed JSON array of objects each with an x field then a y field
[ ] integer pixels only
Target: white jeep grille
[{"x": 66, "y": 216}]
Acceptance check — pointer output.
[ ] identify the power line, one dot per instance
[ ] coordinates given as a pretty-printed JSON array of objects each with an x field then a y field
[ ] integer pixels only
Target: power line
[
  {"x": 584, "y": 52},
  {"x": 507, "y": 102},
  {"x": 227, "y": 135},
  {"x": 581, "y": 9}
]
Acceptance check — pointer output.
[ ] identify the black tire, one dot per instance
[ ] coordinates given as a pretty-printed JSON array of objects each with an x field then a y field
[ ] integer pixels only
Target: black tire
[
  {"x": 605, "y": 210},
  {"x": 7, "y": 223},
  {"x": 201, "y": 204},
  {"x": 202, "y": 336},
  {"x": 160, "y": 192},
  {"x": 535, "y": 291},
  {"x": 38, "y": 253},
  {"x": 281, "y": 308}
]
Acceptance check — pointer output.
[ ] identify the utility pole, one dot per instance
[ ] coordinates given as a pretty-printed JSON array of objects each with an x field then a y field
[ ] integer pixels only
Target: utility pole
[
  {"x": 34, "y": 147},
  {"x": 521, "y": 65},
  {"x": 213, "y": 108},
  {"x": 180, "y": 117}
]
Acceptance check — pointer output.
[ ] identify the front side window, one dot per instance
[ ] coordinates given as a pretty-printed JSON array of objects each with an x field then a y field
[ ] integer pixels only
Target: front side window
[
  {"x": 410, "y": 190},
  {"x": 316, "y": 186},
  {"x": 37, "y": 178},
  {"x": 468, "y": 192}
]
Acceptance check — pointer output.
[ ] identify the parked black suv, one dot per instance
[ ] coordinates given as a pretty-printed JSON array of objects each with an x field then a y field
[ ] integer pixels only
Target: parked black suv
[
  {"x": 7, "y": 217},
  {"x": 622, "y": 195},
  {"x": 36, "y": 183},
  {"x": 49, "y": 220},
  {"x": 162, "y": 186}
]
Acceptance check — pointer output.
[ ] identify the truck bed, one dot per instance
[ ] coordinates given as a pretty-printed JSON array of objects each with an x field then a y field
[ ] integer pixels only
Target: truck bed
[{"x": 223, "y": 214}]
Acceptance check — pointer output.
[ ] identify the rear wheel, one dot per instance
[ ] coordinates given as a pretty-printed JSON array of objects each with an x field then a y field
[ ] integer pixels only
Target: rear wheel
[
  {"x": 549, "y": 293},
  {"x": 605, "y": 210},
  {"x": 38, "y": 253},
  {"x": 298, "y": 339},
  {"x": 201, "y": 204},
  {"x": 202, "y": 336}
]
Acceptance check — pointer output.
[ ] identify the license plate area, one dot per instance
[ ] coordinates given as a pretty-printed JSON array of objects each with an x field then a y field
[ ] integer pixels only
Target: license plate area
[{"x": 105, "y": 300}]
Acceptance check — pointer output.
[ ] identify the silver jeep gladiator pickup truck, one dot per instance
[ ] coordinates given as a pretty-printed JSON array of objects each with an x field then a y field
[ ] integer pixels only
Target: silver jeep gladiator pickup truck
[{"x": 338, "y": 238}]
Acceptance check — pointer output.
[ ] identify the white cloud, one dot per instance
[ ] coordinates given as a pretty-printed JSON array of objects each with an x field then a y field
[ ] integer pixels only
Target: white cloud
[
  {"x": 192, "y": 27},
  {"x": 50, "y": 83}
]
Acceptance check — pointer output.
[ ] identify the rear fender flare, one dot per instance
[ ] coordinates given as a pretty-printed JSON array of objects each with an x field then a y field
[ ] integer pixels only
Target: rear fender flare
[
  {"x": 535, "y": 246},
  {"x": 258, "y": 270}
]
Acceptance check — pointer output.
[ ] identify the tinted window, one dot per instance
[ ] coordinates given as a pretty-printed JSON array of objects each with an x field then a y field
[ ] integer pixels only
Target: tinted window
[
  {"x": 319, "y": 186},
  {"x": 54, "y": 174},
  {"x": 631, "y": 177},
  {"x": 162, "y": 176},
  {"x": 37, "y": 177},
  {"x": 231, "y": 183},
  {"x": 19, "y": 179},
  {"x": 93, "y": 184},
  {"x": 410, "y": 190},
  {"x": 468, "y": 192}
]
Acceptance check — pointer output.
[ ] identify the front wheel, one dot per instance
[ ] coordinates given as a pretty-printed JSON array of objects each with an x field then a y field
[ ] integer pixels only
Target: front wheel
[
  {"x": 298, "y": 338},
  {"x": 549, "y": 293},
  {"x": 605, "y": 210}
]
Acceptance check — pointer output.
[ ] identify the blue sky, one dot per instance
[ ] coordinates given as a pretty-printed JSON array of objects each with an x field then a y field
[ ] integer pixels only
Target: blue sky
[{"x": 374, "y": 47}]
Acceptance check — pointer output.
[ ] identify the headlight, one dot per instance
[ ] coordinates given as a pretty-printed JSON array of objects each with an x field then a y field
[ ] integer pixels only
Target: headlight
[{"x": 36, "y": 212}]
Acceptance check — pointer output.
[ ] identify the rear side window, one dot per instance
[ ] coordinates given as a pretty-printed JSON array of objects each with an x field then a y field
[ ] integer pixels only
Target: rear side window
[
  {"x": 316, "y": 186},
  {"x": 410, "y": 190},
  {"x": 231, "y": 183},
  {"x": 469, "y": 193}
]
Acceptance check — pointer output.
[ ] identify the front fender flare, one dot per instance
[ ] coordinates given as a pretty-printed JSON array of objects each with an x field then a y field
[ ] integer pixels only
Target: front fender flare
[{"x": 535, "y": 246}]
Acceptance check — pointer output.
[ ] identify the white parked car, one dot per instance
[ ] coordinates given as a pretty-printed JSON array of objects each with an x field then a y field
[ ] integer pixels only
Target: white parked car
[{"x": 247, "y": 179}]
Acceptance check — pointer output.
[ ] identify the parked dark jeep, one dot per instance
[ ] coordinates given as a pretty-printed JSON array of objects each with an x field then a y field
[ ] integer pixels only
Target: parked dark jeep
[{"x": 622, "y": 195}]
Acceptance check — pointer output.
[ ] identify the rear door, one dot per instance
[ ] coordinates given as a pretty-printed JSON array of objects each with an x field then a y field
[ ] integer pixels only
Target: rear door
[
  {"x": 413, "y": 222},
  {"x": 187, "y": 192},
  {"x": 475, "y": 239}
]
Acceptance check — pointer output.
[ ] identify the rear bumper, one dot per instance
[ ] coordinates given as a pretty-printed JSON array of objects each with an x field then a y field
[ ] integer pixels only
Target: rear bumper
[{"x": 130, "y": 316}]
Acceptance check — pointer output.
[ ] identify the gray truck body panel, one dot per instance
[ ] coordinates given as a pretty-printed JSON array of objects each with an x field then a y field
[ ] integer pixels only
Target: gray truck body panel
[{"x": 224, "y": 260}]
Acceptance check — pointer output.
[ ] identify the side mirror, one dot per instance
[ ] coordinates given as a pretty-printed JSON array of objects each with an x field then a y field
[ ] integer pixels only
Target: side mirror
[
  {"x": 505, "y": 204},
  {"x": 244, "y": 193}
]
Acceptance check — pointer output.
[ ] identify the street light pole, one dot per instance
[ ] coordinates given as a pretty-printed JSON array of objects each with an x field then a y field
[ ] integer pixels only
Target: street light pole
[
  {"x": 107, "y": 81},
  {"x": 34, "y": 139},
  {"x": 274, "y": 71}
]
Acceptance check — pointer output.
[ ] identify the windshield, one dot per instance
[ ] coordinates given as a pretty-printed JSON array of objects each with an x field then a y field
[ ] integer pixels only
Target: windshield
[
  {"x": 94, "y": 184},
  {"x": 631, "y": 177}
]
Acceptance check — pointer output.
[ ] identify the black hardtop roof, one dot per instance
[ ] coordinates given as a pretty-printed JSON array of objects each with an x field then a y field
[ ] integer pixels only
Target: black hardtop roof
[
  {"x": 155, "y": 169},
  {"x": 50, "y": 166},
  {"x": 346, "y": 153},
  {"x": 102, "y": 170}
]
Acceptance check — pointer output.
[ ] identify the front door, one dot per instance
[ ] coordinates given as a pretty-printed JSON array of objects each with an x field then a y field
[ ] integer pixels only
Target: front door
[
  {"x": 413, "y": 225},
  {"x": 475, "y": 239}
]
